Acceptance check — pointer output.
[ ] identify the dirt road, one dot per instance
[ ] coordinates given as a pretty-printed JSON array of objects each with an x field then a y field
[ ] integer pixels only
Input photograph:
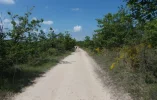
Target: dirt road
[{"x": 73, "y": 79}]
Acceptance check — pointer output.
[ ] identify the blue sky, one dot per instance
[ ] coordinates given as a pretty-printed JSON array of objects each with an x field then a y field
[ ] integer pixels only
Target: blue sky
[{"x": 76, "y": 16}]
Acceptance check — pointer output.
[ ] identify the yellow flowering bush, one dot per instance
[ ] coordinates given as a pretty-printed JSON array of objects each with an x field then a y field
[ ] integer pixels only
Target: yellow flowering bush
[
  {"x": 149, "y": 46},
  {"x": 130, "y": 53},
  {"x": 112, "y": 66},
  {"x": 97, "y": 50}
]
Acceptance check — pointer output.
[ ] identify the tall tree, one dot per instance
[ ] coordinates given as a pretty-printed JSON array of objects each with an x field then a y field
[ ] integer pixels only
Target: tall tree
[{"x": 143, "y": 10}]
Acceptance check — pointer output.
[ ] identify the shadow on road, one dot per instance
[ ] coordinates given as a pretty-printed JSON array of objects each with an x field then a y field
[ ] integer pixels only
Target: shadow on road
[{"x": 66, "y": 62}]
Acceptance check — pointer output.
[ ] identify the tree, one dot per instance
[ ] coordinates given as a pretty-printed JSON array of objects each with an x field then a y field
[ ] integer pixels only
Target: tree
[
  {"x": 2, "y": 36},
  {"x": 143, "y": 10},
  {"x": 69, "y": 43},
  {"x": 2, "y": 46},
  {"x": 150, "y": 30},
  {"x": 22, "y": 25},
  {"x": 115, "y": 30},
  {"x": 87, "y": 42}
]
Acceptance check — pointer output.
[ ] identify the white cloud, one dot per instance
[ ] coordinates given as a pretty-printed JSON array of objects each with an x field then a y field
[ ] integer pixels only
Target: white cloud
[
  {"x": 75, "y": 9},
  {"x": 77, "y": 28},
  {"x": 6, "y": 21},
  {"x": 7, "y": 1},
  {"x": 34, "y": 18},
  {"x": 48, "y": 22}
]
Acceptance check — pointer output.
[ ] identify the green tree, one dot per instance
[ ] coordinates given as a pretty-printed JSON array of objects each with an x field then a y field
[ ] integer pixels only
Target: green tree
[
  {"x": 143, "y": 10},
  {"x": 69, "y": 43}
]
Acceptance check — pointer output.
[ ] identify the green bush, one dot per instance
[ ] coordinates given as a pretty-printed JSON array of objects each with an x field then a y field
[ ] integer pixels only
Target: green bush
[{"x": 53, "y": 51}]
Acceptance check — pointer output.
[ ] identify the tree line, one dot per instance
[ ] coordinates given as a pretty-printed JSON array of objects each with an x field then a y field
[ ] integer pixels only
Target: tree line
[{"x": 26, "y": 43}]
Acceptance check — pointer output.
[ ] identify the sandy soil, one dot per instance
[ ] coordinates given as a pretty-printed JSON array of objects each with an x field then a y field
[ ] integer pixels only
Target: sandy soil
[{"x": 73, "y": 78}]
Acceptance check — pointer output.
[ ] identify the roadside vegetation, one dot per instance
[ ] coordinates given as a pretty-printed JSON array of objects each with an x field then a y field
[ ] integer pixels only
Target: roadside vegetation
[
  {"x": 125, "y": 46},
  {"x": 26, "y": 51}
]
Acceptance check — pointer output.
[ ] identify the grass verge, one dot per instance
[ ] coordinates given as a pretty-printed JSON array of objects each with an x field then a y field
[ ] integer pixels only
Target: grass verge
[{"x": 124, "y": 78}]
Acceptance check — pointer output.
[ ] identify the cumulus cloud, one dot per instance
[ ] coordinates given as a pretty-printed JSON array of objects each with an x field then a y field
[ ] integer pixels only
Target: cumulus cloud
[
  {"x": 7, "y": 1},
  {"x": 34, "y": 18},
  {"x": 77, "y": 28},
  {"x": 48, "y": 22},
  {"x": 75, "y": 9},
  {"x": 6, "y": 21}
]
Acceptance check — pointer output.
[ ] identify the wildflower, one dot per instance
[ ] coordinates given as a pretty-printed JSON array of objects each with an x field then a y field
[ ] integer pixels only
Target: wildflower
[
  {"x": 98, "y": 50},
  {"x": 112, "y": 66},
  {"x": 149, "y": 46},
  {"x": 122, "y": 56}
]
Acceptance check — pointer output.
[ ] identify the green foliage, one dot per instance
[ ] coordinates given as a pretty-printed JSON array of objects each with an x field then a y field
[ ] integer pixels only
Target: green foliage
[
  {"x": 69, "y": 43},
  {"x": 88, "y": 42},
  {"x": 143, "y": 10},
  {"x": 115, "y": 30},
  {"x": 150, "y": 30},
  {"x": 27, "y": 44}
]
